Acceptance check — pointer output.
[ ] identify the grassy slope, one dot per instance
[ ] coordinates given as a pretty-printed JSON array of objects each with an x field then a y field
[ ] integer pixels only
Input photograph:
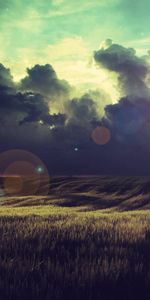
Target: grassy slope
[
  {"x": 72, "y": 244},
  {"x": 117, "y": 193},
  {"x": 62, "y": 254}
]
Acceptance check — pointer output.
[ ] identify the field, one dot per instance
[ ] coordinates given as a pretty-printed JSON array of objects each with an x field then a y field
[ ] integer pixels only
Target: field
[{"x": 89, "y": 238}]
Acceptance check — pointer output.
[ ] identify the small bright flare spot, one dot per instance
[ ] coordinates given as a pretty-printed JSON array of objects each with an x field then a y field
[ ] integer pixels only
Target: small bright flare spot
[
  {"x": 101, "y": 135},
  {"x": 41, "y": 122},
  {"x": 76, "y": 149},
  {"x": 40, "y": 169},
  {"x": 52, "y": 127}
]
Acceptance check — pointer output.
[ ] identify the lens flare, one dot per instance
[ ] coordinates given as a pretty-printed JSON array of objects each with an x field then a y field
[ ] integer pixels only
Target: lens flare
[
  {"x": 16, "y": 177},
  {"x": 19, "y": 172},
  {"x": 101, "y": 135},
  {"x": 13, "y": 185}
]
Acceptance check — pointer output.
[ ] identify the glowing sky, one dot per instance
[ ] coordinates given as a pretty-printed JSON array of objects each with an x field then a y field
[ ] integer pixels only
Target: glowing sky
[{"x": 64, "y": 33}]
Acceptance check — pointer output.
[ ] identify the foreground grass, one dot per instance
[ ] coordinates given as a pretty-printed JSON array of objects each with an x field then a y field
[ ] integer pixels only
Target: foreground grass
[{"x": 49, "y": 252}]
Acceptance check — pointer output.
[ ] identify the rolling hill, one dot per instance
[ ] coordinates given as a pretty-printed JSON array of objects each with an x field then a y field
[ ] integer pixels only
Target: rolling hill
[{"x": 92, "y": 193}]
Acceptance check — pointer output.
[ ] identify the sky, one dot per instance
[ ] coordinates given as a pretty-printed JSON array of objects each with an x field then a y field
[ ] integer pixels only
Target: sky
[
  {"x": 65, "y": 33},
  {"x": 74, "y": 80}
]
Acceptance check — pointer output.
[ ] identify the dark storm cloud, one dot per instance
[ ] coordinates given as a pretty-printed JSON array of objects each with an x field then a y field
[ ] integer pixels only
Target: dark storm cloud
[
  {"x": 6, "y": 79},
  {"x": 20, "y": 107},
  {"x": 43, "y": 79},
  {"x": 129, "y": 117},
  {"x": 132, "y": 70},
  {"x": 64, "y": 140},
  {"x": 81, "y": 111},
  {"x": 55, "y": 119},
  {"x": 26, "y": 108},
  {"x": 26, "y": 122}
]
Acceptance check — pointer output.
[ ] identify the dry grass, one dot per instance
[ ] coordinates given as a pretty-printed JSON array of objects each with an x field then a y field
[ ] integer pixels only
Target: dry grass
[
  {"x": 117, "y": 193},
  {"x": 53, "y": 249}
]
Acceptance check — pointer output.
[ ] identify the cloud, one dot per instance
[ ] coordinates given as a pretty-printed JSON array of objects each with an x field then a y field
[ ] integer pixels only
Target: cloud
[
  {"x": 72, "y": 61},
  {"x": 55, "y": 119},
  {"x": 81, "y": 111},
  {"x": 19, "y": 108},
  {"x": 132, "y": 70},
  {"x": 32, "y": 103},
  {"x": 43, "y": 79},
  {"x": 6, "y": 78},
  {"x": 106, "y": 44},
  {"x": 28, "y": 121},
  {"x": 129, "y": 118}
]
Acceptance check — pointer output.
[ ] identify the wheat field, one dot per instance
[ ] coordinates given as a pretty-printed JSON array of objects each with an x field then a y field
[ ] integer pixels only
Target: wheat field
[{"x": 89, "y": 238}]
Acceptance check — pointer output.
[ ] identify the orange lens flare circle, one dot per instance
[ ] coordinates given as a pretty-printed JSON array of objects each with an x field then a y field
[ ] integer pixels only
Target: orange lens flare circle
[
  {"x": 101, "y": 135},
  {"x": 23, "y": 173},
  {"x": 13, "y": 185}
]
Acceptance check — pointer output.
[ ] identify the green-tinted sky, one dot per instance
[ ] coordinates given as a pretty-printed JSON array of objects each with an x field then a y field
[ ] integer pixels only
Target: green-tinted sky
[{"x": 65, "y": 32}]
